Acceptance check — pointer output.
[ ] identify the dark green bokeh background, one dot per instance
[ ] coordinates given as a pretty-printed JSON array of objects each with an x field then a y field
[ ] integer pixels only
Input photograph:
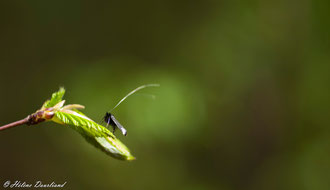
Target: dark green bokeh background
[{"x": 243, "y": 103}]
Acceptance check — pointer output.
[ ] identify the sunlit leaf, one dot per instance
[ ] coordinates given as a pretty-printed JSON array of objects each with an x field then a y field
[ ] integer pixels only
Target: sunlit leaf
[
  {"x": 94, "y": 133},
  {"x": 56, "y": 98},
  {"x": 81, "y": 121}
]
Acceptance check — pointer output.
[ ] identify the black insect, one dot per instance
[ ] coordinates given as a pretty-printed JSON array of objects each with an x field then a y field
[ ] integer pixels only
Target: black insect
[{"x": 111, "y": 120}]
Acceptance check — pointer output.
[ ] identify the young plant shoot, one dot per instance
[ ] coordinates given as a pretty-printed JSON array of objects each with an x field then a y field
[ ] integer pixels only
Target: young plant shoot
[{"x": 54, "y": 110}]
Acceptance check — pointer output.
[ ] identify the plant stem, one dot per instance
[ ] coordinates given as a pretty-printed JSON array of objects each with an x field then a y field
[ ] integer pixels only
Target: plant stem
[{"x": 14, "y": 124}]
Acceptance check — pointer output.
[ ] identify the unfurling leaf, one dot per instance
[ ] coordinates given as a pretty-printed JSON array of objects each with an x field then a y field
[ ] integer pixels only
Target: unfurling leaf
[{"x": 56, "y": 98}]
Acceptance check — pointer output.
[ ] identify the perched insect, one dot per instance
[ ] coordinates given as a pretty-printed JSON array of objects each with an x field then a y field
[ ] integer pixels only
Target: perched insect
[{"x": 111, "y": 120}]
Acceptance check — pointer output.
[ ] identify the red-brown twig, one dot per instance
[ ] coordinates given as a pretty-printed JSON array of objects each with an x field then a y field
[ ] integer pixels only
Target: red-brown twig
[{"x": 16, "y": 123}]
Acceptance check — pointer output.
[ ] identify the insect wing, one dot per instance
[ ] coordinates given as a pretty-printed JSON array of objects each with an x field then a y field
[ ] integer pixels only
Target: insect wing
[{"x": 120, "y": 127}]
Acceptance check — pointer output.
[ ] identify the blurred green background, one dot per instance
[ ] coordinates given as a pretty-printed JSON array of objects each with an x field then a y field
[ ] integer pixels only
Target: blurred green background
[{"x": 243, "y": 103}]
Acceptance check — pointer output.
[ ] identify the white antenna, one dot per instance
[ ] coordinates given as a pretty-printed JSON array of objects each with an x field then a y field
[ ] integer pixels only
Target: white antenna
[{"x": 135, "y": 90}]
